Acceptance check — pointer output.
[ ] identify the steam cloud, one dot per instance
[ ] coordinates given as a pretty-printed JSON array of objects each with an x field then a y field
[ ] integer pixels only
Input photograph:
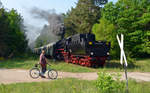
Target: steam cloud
[
  {"x": 1, "y": 5},
  {"x": 52, "y": 31},
  {"x": 54, "y": 20}
]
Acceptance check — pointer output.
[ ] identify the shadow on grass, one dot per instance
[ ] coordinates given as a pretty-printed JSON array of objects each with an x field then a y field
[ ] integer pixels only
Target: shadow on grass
[{"x": 119, "y": 66}]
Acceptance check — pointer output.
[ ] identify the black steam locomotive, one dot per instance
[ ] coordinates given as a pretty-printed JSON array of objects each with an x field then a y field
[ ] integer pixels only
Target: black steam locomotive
[{"x": 80, "y": 49}]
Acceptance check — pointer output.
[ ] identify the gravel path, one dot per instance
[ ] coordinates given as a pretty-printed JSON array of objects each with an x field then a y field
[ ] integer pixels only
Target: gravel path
[{"x": 8, "y": 76}]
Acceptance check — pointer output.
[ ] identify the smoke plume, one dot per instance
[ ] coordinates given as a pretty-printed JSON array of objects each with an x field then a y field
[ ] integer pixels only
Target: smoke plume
[
  {"x": 52, "y": 31},
  {"x": 1, "y": 5},
  {"x": 54, "y": 20}
]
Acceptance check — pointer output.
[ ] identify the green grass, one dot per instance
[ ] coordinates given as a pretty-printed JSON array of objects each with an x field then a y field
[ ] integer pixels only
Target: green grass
[
  {"x": 140, "y": 65},
  {"x": 29, "y": 63},
  {"x": 17, "y": 63},
  {"x": 139, "y": 87},
  {"x": 68, "y": 86},
  {"x": 57, "y": 86}
]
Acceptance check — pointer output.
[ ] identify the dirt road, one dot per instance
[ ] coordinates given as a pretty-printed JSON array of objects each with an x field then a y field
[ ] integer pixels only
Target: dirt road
[{"x": 8, "y": 76}]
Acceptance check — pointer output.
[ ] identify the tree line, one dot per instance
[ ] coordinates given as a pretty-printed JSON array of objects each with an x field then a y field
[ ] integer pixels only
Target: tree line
[
  {"x": 13, "y": 40},
  {"x": 129, "y": 17}
]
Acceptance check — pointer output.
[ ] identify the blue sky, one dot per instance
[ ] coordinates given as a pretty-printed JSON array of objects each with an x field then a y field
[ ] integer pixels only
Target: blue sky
[{"x": 24, "y": 6}]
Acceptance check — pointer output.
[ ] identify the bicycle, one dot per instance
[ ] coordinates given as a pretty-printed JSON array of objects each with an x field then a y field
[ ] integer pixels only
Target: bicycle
[{"x": 35, "y": 72}]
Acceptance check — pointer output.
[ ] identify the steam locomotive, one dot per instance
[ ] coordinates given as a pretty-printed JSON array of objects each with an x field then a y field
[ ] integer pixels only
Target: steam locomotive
[{"x": 80, "y": 49}]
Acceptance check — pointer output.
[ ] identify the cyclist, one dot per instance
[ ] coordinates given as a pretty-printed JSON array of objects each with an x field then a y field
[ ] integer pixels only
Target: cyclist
[{"x": 43, "y": 63}]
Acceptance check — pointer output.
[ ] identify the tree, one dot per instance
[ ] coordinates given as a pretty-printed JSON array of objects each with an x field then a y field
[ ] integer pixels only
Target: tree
[
  {"x": 3, "y": 31},
  {"x": 12, "y": 33},
  {"x": 104, "y": 31},
  {"x": 81, "y": 18},
  {"x": 132, "y": 18},
  {"x": 100, "y": 2}
]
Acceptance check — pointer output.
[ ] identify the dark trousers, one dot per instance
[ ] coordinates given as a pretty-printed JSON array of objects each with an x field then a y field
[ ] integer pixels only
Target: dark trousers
[{"x": 43, "y": 68}]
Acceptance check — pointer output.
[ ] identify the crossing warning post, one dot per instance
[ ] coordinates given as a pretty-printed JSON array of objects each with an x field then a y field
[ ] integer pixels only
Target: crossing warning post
[{"x": 123, "y": 60}]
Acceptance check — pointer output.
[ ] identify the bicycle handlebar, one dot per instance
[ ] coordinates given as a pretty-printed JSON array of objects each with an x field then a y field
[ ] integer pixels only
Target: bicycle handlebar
[
  {"x": 39, "y": 64},
  {"x": 36, "y": 65}
]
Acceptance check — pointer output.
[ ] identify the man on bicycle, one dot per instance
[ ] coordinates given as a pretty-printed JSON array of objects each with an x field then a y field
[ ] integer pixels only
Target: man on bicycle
[{"x": 43, "y": 63}]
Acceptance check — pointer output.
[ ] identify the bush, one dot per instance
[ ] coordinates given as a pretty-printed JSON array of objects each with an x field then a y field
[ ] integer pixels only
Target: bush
[{"x": 106, "y": 84}]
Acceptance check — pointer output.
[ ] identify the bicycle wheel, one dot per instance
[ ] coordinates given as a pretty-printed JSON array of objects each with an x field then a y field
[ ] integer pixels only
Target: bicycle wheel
[
  {"x": 34, "y": 73},
  {"x": 52, "y": 74}
]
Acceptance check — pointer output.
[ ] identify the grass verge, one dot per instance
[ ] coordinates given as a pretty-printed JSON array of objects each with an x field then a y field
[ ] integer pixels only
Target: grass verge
[
  {"x": 140, "y": 65},
  {"x": 68, "y": 86},
  {"x": 114, "y": 65},
  {"x": 29, "y": 63}
]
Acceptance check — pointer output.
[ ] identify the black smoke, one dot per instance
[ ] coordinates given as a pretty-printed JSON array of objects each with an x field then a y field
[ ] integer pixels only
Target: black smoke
[
  {"x": 54, "y": 29},
  {"x": 55, "y": 21}
]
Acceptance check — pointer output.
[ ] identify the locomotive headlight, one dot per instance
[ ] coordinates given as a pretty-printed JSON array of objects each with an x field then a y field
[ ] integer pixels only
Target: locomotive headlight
[
  {"x": 92, "y": 53},
  {"x": 90, "y": 43},
  {"x": 107, "y": 53}
]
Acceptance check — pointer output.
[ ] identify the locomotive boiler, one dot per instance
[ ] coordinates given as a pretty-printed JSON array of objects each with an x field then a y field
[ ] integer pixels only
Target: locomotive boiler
[{"x": 80, "y": 49}]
